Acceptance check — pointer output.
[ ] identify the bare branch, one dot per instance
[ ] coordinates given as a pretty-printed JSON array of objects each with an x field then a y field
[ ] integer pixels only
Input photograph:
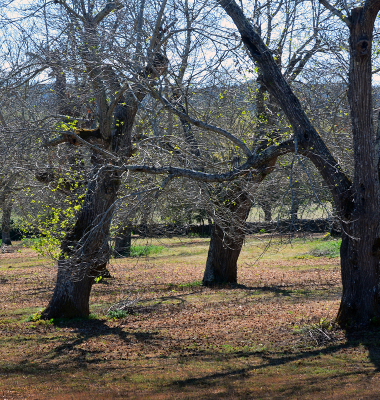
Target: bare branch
[
  {"x": 73, "y": 138},
  {"x": 201, "y": 124},
  {"x": 254, "y": 162},
  {"x": 336, "y": 12},
  {"x": 70, "y": 10},
  {"x": 109, "y": 7}
]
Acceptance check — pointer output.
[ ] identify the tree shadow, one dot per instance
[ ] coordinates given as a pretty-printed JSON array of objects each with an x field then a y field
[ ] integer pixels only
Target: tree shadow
[
  {"x": 70, "y": 355},
  {"x": 368, "y": 338},
  {"x": 286, "y": 290}
]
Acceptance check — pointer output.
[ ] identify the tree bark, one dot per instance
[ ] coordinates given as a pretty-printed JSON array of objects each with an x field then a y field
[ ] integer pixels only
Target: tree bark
[
  {"x": 6, "y": 222},
  {"x": 267, "y": 211},
  {"x": 85, "y": 249},
  {"x": 226, "y": 243},
  {"x": 360, "y": 242},
  {"x": 294, "y": 209},
  {"x": 357, "y": 202}
]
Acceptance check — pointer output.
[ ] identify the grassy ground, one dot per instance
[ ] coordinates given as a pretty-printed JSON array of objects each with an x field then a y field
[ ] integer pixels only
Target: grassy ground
[{"x": 270, "y": 336}]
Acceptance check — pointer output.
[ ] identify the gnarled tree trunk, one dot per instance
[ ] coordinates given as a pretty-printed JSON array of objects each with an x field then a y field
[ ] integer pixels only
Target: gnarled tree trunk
[{"x": 85, "y": 249}]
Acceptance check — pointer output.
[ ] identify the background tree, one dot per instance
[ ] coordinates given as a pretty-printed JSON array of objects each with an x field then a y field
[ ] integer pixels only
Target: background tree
[{"x": 282, "y": 24}]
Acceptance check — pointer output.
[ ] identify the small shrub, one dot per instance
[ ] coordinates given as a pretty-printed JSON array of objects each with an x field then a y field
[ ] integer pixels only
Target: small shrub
[
  {"x": 34, "y": 317},
  {"x": 193, "y": 235},
  {"x": 316, "y": 334}
]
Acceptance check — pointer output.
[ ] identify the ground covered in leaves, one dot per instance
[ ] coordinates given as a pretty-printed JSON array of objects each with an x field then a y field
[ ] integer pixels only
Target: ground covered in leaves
[{"x": 270, "y": 336}]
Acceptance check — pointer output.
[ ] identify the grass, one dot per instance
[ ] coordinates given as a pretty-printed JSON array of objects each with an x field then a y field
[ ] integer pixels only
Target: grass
[
  {"x": 145, "y": 251},
  {"x": 330, "y": 249},
  {"x": 183, "y": 340}
]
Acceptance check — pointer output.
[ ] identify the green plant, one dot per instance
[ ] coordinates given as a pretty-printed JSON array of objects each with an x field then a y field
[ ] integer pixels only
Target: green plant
[
  {"x": 262, "y": 230},
  {"x": 193, "y": 235},
  {"x": 330, "y": 248},
  {"x": 139, "y": 251},
  {"x": 189, "y": 284},
  {"x": 117, "y": 314},
  {"x": 34, "y": 317}
]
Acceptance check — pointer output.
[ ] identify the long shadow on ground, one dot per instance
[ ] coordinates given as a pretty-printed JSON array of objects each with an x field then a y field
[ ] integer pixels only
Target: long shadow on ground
[{"x": 369, "y": 338}]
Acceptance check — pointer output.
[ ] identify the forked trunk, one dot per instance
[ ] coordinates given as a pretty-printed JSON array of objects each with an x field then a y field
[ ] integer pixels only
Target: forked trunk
[{"x": 85, "y": 249}]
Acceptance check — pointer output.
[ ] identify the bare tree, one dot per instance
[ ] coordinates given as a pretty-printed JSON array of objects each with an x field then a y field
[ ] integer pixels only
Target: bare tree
[
  {"x": 124, "y": 68},
  {"x": 227, "y": 239},
  {"x": 357, "y": 200}
]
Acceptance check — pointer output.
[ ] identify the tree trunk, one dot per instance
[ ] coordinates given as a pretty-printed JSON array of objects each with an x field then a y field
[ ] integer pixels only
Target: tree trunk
[
  {"x": 267, "y": 211},
  {"x": 294, "y": 210},
  {"x": 360, "y": 248},
  {"x": 123, "y": 242},
  {"x": 226, "y": 243},
  {"x": 6, "y": 222},
  {"x": 357, "y": 203},
  {"x": 85, "y": 250}
]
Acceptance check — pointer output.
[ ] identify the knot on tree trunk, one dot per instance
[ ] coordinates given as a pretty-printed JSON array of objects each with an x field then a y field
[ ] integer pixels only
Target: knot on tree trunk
[{"x": 363, "y": 48}]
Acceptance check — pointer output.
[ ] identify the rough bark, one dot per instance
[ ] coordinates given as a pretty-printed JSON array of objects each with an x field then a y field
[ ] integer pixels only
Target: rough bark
[
  {"x": 226, "y": 243},
  {"x": 360, "y": 242},
  {"x": 85, "y": 249}
]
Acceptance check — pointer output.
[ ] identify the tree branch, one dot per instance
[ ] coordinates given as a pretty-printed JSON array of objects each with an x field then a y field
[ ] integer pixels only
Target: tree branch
[
  {"x": 201, "y": 124},
  {"x": 254, "y": 162},
  {"x": 336, "y": 12},
  {"x": 309, "y": 141},
  {"x": 109, "y": 7},
  {"x": 74, "y": 138},
  {"x": 69, "y": 9}
]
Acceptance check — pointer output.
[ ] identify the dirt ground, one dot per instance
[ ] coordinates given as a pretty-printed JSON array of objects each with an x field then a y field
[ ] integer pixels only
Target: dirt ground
[{"x": 271, "y": 336}]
